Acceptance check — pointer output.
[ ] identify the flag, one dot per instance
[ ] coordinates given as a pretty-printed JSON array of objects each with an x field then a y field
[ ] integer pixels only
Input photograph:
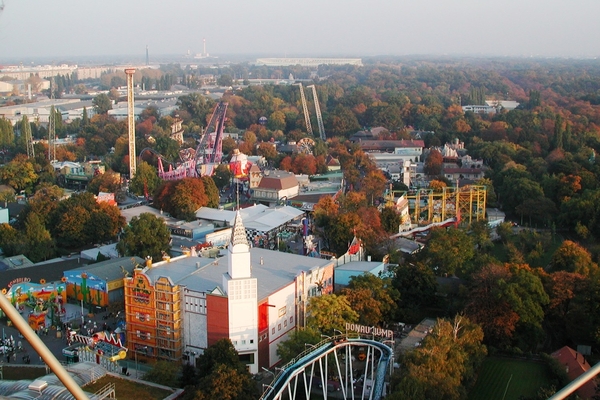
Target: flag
[{"x": 354, "y": 246}]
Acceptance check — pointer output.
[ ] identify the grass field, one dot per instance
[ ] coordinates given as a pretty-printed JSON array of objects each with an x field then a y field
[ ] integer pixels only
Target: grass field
[
  {"x": 126, "y": 389},
  {"x": 525, "y": 377}
]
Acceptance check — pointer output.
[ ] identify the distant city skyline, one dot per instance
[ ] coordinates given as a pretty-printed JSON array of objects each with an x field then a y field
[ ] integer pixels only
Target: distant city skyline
[{"x": 75, "y": 29}]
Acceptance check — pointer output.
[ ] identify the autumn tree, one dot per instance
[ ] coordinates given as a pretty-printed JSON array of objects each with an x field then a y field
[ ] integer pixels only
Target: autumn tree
[
  {"x": 19, "y": 173},
  {"x": 372, "y": 297},
  {"x": 328, "y": 312},
  {"x": 572, "y": 257},
  {"x": 373, "y": 185},
  {"x": 444, "y": 366},
  {"x": 433, "y": 163},
  {"x": 145, "y": 235},
  {"x": 182, "y": 198},
  {"x": 508, "y": 302},
  {"x": 108, "y": 182}
]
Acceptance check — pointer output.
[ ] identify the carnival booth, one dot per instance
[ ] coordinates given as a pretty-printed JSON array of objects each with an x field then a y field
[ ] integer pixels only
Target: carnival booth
[
  {"x": 101, "y": 348},
  {"x": 44, "y": 301}
]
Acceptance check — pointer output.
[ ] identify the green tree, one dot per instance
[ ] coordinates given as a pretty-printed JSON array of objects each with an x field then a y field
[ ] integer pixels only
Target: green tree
[
  {"x": 296, "y": 343},
  {"x": 448, "y": 250},
  {"x": 222, "y": 176},
  {"x": 102, "y": 103},
  {"x": 12, "y": 242},
  {"x": 164, "y": 373},
  {"x": 146, "y": 180},
  {"x": 372, "y": 297},
  {"x": 40, "y": 245},
  {"x": 390, "y": 220},
  {"x": 223, "y": 375},
  {"x": 225, "y": 80},
  {"x": 7, "y": 134},
  {"x": 145, "y": 235},
  {"x": 417, "y": 286},
  {"x": 212, "y": 192},
  {"x": 328, "y": 312},
  {"x": 276, "y": 121}
]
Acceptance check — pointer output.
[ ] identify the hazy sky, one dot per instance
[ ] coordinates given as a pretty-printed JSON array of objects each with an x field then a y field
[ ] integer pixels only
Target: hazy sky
[{"x": 71, "y": 28}]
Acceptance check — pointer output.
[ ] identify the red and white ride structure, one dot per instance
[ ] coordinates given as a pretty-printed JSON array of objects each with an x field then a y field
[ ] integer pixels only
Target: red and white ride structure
[{"x": 207, "y": 156}]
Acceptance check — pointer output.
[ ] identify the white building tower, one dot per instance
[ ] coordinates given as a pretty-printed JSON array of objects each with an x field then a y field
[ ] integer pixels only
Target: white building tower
[{"x": 242, "y": 297}]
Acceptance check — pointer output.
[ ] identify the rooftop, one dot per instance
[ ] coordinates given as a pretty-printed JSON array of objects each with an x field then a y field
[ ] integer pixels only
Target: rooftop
[
  {"x": 273, "y": 270},
  {"x": 112, "y": 269}
]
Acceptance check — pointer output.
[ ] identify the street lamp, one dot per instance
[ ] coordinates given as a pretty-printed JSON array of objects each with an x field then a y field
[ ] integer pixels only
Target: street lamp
[
  {"x": 308, "y": 345},
  {"x": 325, "y": 336},
  {"x": 265, "y": 385},
  {"x": 137, "y": 372},
  {"x": 270, "y": 372},
  {"x": 337, "y": 330}
]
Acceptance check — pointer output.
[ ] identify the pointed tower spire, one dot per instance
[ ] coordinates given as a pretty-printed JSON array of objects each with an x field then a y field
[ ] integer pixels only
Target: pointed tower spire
[
  {"x": 239, "y": 251},
  {"x": 238, "y": 233}
]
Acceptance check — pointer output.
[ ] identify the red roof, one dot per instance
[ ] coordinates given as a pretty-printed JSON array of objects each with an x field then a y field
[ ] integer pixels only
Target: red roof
[
  {"x": 575, "y": 364},
  {"x": 278, "y": 180}
]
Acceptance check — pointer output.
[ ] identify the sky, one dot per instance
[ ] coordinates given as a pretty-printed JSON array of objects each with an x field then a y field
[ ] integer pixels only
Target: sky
[{"x": 63, "y": 29}]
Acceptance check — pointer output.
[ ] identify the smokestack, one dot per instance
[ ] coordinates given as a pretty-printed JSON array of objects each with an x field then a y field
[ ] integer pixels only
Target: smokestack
[
  {"x": 147, "y": 58},
  {"x": 204, "y": 47}
]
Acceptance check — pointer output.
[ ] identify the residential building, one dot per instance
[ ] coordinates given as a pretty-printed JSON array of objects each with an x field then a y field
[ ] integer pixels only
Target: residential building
[{"x": 575, "y": 365}]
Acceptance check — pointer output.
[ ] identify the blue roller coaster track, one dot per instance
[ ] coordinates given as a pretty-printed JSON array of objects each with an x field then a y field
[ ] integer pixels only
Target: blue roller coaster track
[{"x": 307, "y": 373}]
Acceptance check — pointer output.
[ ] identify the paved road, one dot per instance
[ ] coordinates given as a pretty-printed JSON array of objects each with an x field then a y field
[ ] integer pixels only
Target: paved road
[{"x": 54, "y": 343}]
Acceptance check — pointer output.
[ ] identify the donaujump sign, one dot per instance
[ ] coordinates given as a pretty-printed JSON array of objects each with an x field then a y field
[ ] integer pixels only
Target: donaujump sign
[{"x": 369, "y": 330}]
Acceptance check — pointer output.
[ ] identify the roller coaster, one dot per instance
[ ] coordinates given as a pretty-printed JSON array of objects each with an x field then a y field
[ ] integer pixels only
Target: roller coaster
[
  {"x": 204, "y": 159},
  {"x": 332, "y": 370}
]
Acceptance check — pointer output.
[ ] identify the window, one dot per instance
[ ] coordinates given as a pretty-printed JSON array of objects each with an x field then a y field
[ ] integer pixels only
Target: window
[
  {"x": 291, "y": 319},
  {"x": 279, "y": 327},
  {"x": 285, "y": 323},
  {"x": 251, "y": 341},
  {"x": 273, "y": 331},
  {"x": 282, "y": 311}
]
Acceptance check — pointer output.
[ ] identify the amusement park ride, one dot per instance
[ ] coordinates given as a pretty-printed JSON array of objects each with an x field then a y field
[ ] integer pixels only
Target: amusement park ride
[{"x": 207, "y": 156}]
